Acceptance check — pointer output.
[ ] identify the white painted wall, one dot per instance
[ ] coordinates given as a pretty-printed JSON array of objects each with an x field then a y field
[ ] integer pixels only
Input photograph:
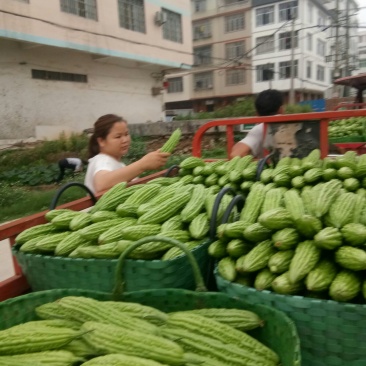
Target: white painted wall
[{"x": 29, "y": 105}]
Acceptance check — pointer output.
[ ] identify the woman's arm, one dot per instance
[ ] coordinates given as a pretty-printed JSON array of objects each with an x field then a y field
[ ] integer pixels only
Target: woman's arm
[{"x": 105, "y": 179}]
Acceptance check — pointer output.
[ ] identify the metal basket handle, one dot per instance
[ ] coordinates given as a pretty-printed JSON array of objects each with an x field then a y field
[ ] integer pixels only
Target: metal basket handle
[
  {"x": 171, "y": 170},
  {"x": 119, "y": 286},
  {"x": 67, "y": 186},
  {"x": 261, "y": 165},
  {"x": 237, "y": 201}
]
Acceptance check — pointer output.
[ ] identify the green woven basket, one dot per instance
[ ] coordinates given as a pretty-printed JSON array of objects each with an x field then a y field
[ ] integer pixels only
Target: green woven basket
[
  {"x": 331, "y": 333},
  {"x": 278, "y": 333},
  {"x": 45, "y": 272}
]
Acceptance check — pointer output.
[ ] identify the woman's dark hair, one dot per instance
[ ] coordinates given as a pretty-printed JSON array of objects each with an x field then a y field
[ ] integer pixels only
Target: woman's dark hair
[{"x": 102, "y": 127}]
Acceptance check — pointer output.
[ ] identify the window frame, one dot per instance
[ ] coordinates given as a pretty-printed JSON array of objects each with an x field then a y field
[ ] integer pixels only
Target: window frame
[
  {"x": 285, "y": 69},
  {"x": 320, "y": 73},
  {"x": 285, "y": 37},
  {"x": 137, "y": 24},
  {"x": 206, "y": 81},
  {"x": 205, "y": 58},
  {"x": 75, "y": 7},
  {"x": 260, "y": 72},
  {"x": 197, "y": 31},
  {"x": 237, "y": 48},
  {"x": 175, "y": 85},
  {"x": 265, "y": 44},
  {"x": 58, "y": 76},
  {"x": 235, "y": 73},
  {"x": 270, "y": 15},
  {"x": 172, "y": 28},
  {"x": 284, "y": 10},
  {"x": 235, "y": 22},
  {"x": 200, "y": 8}
]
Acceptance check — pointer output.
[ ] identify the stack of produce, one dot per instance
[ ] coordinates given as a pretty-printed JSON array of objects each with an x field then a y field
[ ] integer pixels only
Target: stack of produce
[
  {"x": 237, "y": 173},
  {"x": 302, "y": 230},
  {"x": 350, "y": 127},
  {"x": 83, "y": 331},
  {"x": 123, "y": 215}
]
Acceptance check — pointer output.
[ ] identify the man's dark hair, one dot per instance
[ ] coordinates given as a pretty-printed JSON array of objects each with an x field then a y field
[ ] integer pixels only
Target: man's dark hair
[{"x": 268, "y": 102}]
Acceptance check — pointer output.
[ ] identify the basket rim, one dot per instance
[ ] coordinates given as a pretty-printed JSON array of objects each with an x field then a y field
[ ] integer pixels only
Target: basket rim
[
  {"x": 296, "y": 297},
  {"x": 16, "y": 252}
]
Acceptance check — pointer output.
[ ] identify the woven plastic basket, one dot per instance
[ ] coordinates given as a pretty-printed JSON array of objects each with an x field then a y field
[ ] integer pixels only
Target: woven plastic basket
[
  {"x": 331, "y": 333},
  {"x": 45, "y": 272},
  {"x": 278, "y": 333}
]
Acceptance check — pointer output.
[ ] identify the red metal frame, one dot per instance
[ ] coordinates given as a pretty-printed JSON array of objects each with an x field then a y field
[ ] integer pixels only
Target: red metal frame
[
  {"x": 322, "y": 117},
  {"x": 17, "y": 284}
]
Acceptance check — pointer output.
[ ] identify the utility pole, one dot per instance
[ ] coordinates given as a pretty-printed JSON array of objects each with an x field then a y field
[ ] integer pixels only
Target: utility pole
[
  {"x": 336, "y": 72},
  {"x": 292, "y": 66},
  {"x": 347, "y": 71}
]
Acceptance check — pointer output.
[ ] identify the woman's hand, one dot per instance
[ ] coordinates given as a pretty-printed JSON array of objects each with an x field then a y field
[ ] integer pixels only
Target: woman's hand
[{"x": 154, "y": 160}]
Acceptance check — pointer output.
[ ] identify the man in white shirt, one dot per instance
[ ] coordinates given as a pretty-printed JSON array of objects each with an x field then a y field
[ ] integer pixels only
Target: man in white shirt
[
  {"x": 268, "y": 103},
  {"x": 74, "y": 164}
]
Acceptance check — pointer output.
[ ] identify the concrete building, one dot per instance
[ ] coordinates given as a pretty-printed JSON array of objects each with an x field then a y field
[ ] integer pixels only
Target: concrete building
[
  {"x": 362, "y": 52},
  {"x": 286, "y": 31},
  {"x": 221, "y": 31},
  {"x": 64, "y": 63}
]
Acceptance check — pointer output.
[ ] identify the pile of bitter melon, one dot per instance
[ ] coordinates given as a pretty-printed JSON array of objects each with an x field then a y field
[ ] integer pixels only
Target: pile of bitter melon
[
  {"x": 302, "y": 230},
  {"x": 83, "y": 331}
]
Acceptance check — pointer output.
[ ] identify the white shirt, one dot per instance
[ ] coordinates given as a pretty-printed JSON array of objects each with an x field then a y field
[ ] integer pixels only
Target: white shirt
[
  {"x": 254, "y": 139},
  {"x": 75, "y": 161},
  {"x": 96, "y": 164}
]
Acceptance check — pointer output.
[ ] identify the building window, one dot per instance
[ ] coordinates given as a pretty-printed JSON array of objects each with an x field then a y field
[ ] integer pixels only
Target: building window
[
  {"x": 285, "y": 69},
  {"x": 234, "y": 22},
  {"x": 175, "y": 85},
  {"x": 286, "y": 41},
  {"x": 288, "y": 11},
  {"x": 83, "y": 8},
  {"x": 309, "y": 67},
  {"x": 322, "y": 20},
  {"x": 233, "y": 2},
  {"x": 265, "y": 16},
  {"x": 235, "y": 50},
  {"x": 203, "y": 81},
  {"x": 309, "y": 38},
  {"x": 362, "y": 63},
  {"x": 172, "y": 28},
  {"x": 201, "y": 30},
  {"x": 132, "y": 15},
  {"x": 265, "y": 44},
  {"x": 199, "y": 5},
  {"x": 310, "y": 13},
  {"x": 320, "y": 73},
  {"x": 265, "y": 72},
  {"x": 202, "y": 55},
  {"x": 320, "y": 48},
  {"x": 24, "y": 1},
  {"x": 59, "y": 76},
  {"x": 235, "y": 77}
]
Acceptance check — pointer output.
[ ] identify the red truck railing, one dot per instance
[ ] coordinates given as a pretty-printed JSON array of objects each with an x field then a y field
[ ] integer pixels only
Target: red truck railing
[{"x": 322, "y": 117}]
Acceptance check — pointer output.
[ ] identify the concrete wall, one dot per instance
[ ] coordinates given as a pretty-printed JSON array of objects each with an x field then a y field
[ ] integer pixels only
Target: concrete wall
[{"x": 43, "y": 108}]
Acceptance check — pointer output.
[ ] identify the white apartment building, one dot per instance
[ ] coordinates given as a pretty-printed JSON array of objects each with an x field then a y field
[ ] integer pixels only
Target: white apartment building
[
  {"x": 64, "y": 63},
  {"x": 362, "y": 52},
  {"x": 221, "y": 72},
  {"x": 274, "y": 22}
]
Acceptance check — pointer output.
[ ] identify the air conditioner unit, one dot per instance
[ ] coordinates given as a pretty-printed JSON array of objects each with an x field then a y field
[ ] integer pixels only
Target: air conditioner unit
[{"x": 160, "y": 18}]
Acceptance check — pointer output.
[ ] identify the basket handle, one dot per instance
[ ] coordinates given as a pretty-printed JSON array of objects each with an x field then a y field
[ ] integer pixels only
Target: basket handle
[
  {"x": 262, "y": 163},
  {"x": 171, "y": 170},
  {"x": 237, "y": 201},
  {"x": 215, "y": 209},
  {"x": 119, "y": 286},
  {"x": 67, "y": 186}
]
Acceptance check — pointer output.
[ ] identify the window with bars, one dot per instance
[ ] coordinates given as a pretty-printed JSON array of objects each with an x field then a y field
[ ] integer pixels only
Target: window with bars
[
  {"x": 285, "y": 69},
  {"x": 286, "y": 40},
  {"x": 201, "y": 30},
  {"x": 203, "y": 81},
  {"x": 83, "y": 8},
  {"x": 265, "y": 44},
  {"x": 235, "y": 50},
  {"x": 320, "y": 48},
  {"x": 362, "y": 63},
  {"x": 202, "y": 55},
  {"x": 233, "y": 2},
  {"x": 234, "y": 22},
  {"x": 265, "y": 16},
  {"x": 199, "y": 5},
  {"x": 288, "y": 10},
  {"x": 235, "y": 77},
  {"x": 172, "y": 28},
  {"x": 309, "y": 39},
  {"x": 309, "y": 67},
  {"x": 320, "y": 73},
  {"x": 132, "y": 15},
  {"x": 24, "y": 1},
  {"x": 265, "y": 72},
  {"x": 175, "y": 85},
  {"x": 59, "y": 76}
]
